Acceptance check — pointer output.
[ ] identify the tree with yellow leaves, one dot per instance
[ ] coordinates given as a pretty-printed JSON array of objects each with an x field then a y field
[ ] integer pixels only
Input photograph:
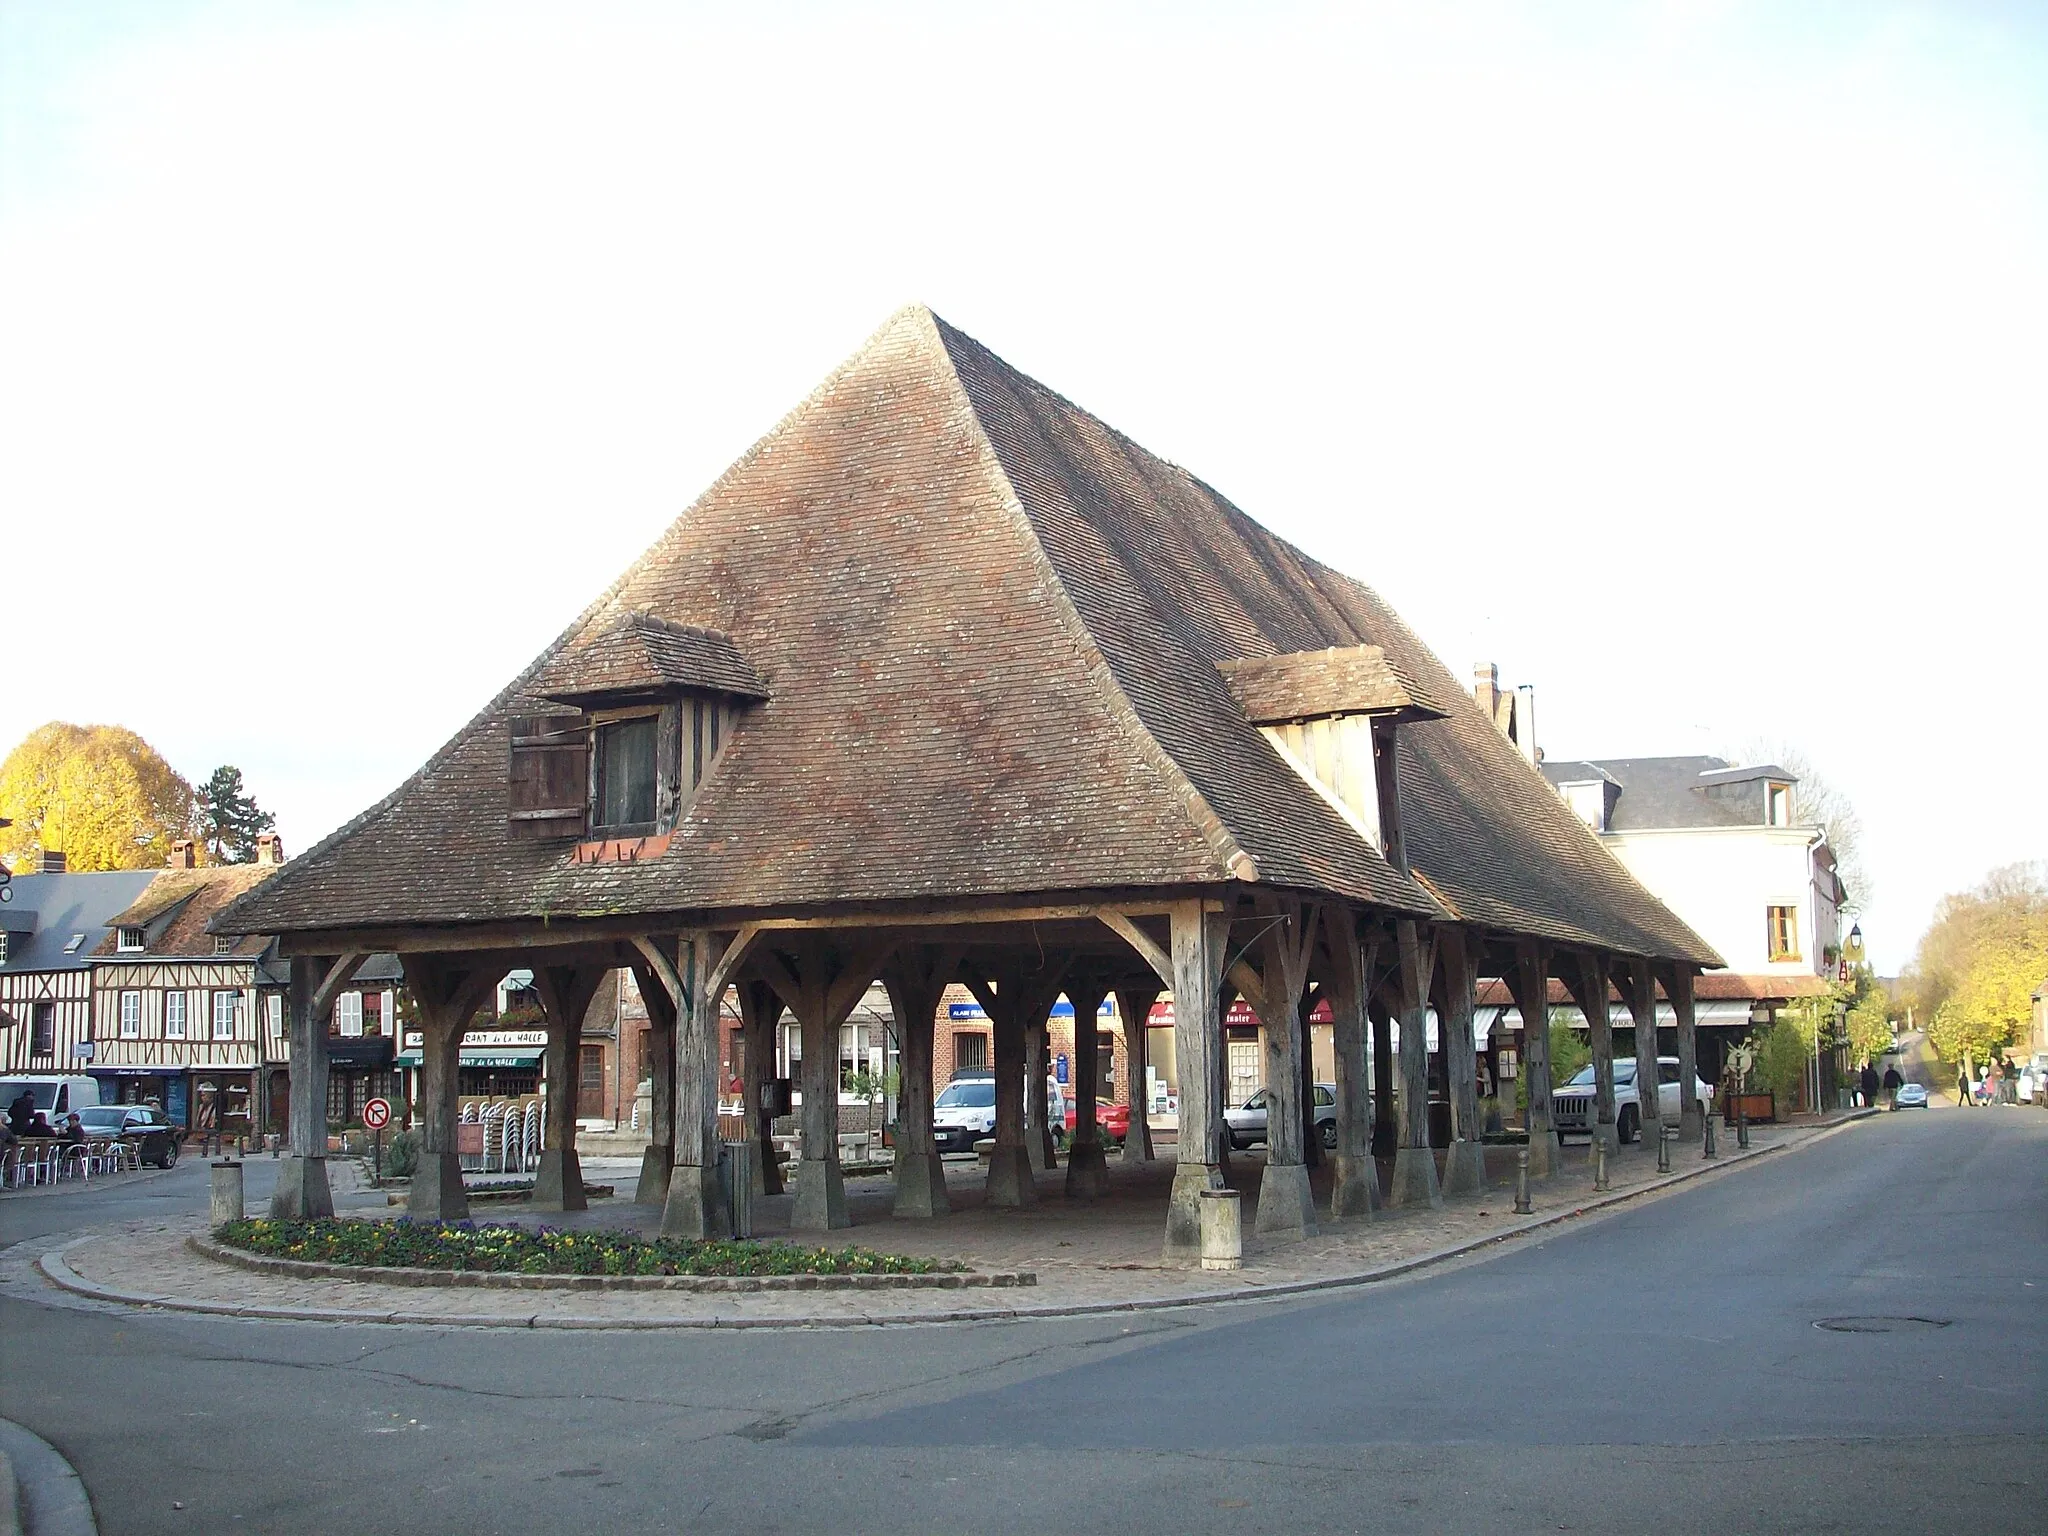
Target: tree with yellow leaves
[
  {"x": 99, "y": 794},
  {"x": 1978, "y": 964}
]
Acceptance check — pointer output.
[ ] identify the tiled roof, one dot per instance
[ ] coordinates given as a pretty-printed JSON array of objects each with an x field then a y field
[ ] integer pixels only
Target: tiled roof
[
  {"x": 49, "y": 911},
  {"x": 1660, "y": 793},
  {"x": 188, "y": 898},
  {"x": 642, "y": 654},
  {"x": 1309, "y": 685},
  {"x": 989, "y": 627}
]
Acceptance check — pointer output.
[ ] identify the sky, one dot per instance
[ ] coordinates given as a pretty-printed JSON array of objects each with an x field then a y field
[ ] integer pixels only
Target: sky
[{"x": 1689, "y": 361}]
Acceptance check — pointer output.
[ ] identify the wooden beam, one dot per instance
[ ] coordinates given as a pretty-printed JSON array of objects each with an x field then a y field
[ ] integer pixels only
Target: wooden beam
[
  {"x": 735, "y": 952},
  {"x": 1119, "y": 922},
  {"x": 337, "y": 977},
  {"x": 661, "y": 965}
]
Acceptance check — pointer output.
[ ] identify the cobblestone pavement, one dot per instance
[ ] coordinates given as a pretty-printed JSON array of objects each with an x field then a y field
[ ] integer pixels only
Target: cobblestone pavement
[{"x": 1090, "y": 1256}]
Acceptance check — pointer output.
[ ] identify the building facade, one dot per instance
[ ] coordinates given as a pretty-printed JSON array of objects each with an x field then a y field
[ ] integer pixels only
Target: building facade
[{"x": 48, "y": 932}]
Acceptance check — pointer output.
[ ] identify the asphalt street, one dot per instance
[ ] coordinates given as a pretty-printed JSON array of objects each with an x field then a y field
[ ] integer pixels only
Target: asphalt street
[{"x": 1657, "y": 1367}]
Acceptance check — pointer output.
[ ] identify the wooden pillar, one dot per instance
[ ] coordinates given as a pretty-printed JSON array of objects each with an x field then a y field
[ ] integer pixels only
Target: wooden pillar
[
  {"x": 1196, "y": 950},
  {"x": 1678, "y": 980},
  {"x": 1355, "y": 1189},
  {"x": 1640, "y": 990},
  {"x": 447, "y": 991},
  {"x": 1529, "y": 982},
  {"x": 1039, "y": 1136},
  {"x": 1087, "y": 1163},
  {"x": 658, "y": 1161},
  {"x": 916, "y": 980},
  {"x": 1458, "y": 973},
  {"x": 760, "y": 1011},
  {"x": 696, "y": 1205},
  {"x": 1415, "y": 1176},
  {"x": 1386, "y": 1134},
  {"x": 1134, "y": 1002},
  {"x": 1286, "y": 1209},
  {"x": 565, "y": 994},
  {"x": 1017, "y": 1003},
  {"x": 1587, "y": 981},
  {"x": 302, "y": 1191}
]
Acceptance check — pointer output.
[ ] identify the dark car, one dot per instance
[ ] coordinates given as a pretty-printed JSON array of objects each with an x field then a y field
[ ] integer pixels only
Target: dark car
[{"x": 155, "y": 1138}]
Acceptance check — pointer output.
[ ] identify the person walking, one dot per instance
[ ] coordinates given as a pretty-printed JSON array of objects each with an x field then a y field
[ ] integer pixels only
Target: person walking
[
  {"x": 1866, "y": 1083},
  {"x": 1962, "y": 1087},
  {"x": 1892, "y": 1084}
]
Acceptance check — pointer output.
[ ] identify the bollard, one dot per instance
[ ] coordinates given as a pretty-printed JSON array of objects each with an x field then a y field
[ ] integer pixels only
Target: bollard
[
  {"x": 1522, "y": 1205},
  {"x": 1708, "y": 1121},
  {"x": 227, "y": 1193},
  {"x": 1222, "y": 1230},
  {"x": 1742, "y": 1125},
  {"x": 738, "y": 1160},
  {"x": 1664, "y": 1138},
  {"x": 1599, "y": 1164}
]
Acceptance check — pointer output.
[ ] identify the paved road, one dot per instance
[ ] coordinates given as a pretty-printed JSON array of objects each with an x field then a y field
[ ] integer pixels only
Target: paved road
[{"x": 1654, "y": 1368}]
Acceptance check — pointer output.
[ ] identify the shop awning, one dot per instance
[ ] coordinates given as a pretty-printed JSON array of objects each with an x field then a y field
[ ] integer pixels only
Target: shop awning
[{"x": 483, "y": 1058}]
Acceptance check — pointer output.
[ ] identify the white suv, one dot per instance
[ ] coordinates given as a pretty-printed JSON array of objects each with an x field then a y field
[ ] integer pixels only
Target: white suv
[{"x": 1572, "y": 1107}]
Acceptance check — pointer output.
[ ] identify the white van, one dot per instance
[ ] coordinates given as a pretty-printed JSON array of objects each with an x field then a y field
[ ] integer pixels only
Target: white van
[{"x": 55, "y": 1096}]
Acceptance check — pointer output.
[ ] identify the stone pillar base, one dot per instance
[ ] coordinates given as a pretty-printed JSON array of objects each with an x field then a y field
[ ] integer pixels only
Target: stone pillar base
[
  {"x": 1415, "y": 1181},
  {"x": 820, "y": 1197},
  {"x": 437, "y": 1193},
  {"x": 1465, "y": 1168},
  {"x": 1356, "y": 1190},
  {"x": 301, "y": 1193},
  {"x": 1087, "y": 1172},
  {"x": 1692, "y": 1126},
  {"x": 1545, "y": 1155},
  {"x": 1183, "y": 1248},
  {"x": 655, "y": 1164},
  {"x": 1137, "y": 1147},
  {"x": 695, "y": 1206},
  {"x": 921, "y": 1185},
  {"x": 1287, "y": 1210},
  {"x": 1010, "y": 1181},
  {"x": 558, "y": 1182},
  {"x": 1034, "y": 1148}
]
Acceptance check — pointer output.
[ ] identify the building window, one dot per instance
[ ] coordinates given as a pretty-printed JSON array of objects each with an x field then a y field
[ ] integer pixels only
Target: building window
[
  {"x": 625, "y": 775},
  {"x": 128, "y": 940},
  {"x": 174, "y": 1015},
  {"x": 275, "y": 1004},
  {"x": 1778, "y": 805},
  {"x": 223, "y": 945},
  {"x": 43, "y": 1030},
  {"x": 225, "y": 1005},
  {"x": 348, "y": 1014},
  {"x": 131, "y": 1015},
  {"x": 1784, "y": 924},
  {"x": 970, "y": 1053},
  {"x": 3, "y": 946}
]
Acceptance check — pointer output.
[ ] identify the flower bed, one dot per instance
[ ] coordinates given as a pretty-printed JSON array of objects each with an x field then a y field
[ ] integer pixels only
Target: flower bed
[{"x": 504, "y": 1249}]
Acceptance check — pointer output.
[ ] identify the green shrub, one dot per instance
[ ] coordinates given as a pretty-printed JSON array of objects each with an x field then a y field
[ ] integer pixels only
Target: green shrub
[
  {"x": 401, "y": 1155},
  {"x": 502, "y": 1248},
  {"x": 1569, "y": 1051},
  {"x": 1782, "y": 1052}
]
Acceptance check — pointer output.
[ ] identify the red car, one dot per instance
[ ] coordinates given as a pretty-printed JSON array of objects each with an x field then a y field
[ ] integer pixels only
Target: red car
[{"x": 1113, "y": 1119}]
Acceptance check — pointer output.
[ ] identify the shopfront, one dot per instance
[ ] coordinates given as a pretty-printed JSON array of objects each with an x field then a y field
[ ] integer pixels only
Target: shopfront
[{"x": 496, "y": 1063}]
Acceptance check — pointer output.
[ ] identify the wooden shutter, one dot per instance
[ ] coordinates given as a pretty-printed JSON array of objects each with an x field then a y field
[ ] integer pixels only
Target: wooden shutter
[{"x": 549, "y": 777}]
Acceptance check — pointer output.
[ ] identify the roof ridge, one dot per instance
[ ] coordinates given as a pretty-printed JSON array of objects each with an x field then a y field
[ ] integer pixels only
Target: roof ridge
[{"x": 1233, "y": 860}]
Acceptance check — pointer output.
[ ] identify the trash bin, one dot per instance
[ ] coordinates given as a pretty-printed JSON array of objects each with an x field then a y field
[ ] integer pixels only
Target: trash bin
[{"x": 736, "y": 1183}]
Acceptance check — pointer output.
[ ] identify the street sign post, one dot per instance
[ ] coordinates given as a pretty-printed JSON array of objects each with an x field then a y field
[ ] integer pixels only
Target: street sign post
[{"x": 376, "y": 1115}]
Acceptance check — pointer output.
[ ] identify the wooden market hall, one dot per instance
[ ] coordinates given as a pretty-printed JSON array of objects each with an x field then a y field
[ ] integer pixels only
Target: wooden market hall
[{"x": 945, "y": 681}]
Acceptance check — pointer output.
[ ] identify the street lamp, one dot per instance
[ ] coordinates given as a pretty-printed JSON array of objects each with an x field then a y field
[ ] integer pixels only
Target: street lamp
[{"x": 1853, "y": 950}]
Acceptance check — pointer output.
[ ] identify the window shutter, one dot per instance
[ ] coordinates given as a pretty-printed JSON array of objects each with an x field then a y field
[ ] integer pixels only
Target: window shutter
[{"x": 549, "y": 777}]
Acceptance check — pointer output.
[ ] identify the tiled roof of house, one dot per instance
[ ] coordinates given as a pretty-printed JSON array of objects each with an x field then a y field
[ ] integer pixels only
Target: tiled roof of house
[
  {"x": 1309, "y": 685},
  {"x": 177, "y": 905},
  {"x": 641, "y": 654},
  {"x": 1665, "y": 792},
  {"x": 989, "y": 628},
  {"x": 55, "y": 922}
]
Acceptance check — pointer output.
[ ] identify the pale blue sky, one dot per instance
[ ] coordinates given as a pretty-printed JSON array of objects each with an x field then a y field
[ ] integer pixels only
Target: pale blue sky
[{"x": 1685, "y": 359}]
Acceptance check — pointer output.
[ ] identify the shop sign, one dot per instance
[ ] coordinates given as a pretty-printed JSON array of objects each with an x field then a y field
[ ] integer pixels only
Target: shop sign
[
  {"x": 1062, "y": 1009},
  {"x": 1240, "y": 1015},
  {"x": 524, "y": 1039}
]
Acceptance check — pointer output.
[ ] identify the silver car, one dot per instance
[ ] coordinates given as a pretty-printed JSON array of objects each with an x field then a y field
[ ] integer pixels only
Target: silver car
[{"x": 1247, "y": 1121}]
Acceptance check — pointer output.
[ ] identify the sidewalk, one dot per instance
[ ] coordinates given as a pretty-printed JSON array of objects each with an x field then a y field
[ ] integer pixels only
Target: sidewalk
[{"x": 1087, "y": 1258}]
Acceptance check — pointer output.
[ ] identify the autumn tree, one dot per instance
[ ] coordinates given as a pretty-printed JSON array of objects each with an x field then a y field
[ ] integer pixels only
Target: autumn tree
[
  {"x": 229, "y": 819},
  {"x": 1976, "y": 967},
  {"x": 99, "y": 794}
]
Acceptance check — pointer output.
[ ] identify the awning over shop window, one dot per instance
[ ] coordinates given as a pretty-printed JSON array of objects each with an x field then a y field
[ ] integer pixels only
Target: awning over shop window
[{"x": 483, "y": 1058}]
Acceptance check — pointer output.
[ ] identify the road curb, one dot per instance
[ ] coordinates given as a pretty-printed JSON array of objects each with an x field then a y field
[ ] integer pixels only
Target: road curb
[
  {"x": 46, "y": 1495},
  {"x": 60, "y": 1274}
]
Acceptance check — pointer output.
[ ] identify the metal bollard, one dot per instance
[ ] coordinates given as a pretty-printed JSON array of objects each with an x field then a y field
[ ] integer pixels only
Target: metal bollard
[
  {"x": 227, "y": 1194},
  {"x": 1708, "y": 1122},
  {"x": 1522, "y": 1205},
  {"x": 1742, "y": 1125},
  {"x": 1222, "y": 1230},
  {"x": 1599, "y": 1163},
  {"x": 736, "y": 1159},
  {"x": 1665, "y": 1134}
]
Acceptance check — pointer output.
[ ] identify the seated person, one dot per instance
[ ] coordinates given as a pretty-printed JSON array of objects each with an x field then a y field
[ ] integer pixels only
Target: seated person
[
  {"x": 73, "y": 1134},
  {"x": 39, "y": 1125}
]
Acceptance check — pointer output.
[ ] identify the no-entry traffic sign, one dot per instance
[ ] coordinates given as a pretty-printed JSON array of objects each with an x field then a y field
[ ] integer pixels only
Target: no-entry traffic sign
[{"x": 376, "y": 1114}]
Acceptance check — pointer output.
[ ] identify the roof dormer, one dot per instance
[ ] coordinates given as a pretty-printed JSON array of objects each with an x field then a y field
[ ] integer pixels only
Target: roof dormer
[{"x": 1332, "y": 715}]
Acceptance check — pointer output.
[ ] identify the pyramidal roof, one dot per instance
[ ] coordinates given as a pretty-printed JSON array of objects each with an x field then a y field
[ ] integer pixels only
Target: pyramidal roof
[{"x": 983, "y": 631}]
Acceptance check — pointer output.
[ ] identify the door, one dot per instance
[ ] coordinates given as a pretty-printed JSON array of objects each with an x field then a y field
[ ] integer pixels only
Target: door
[
  {"x": 1244, "y": 1070},
  {"x": 590, "y": 1083}
]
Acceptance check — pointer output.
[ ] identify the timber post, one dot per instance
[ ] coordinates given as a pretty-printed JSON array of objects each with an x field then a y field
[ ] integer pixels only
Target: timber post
[
  {"x": 1087, "y": 1163},
  {"x": 916, "y": 981},
  {"x": 658, "y": 1160},
  {"x": 1355, "y": 1187},
  {"x": 1134, "y": 1002},
  {"x": 1465, "y": 1158},
  {"x": 1196, "y": 948},
  {"x": 696, "y": 1205},
  {"x": 1692, "y": 1118},
  {"x": 760, "y": 1011},
  {"x": 1529, "y": 982},
  {"x": 1642, "y": 1006},
  {"x": 1415, "y": 1176},
  {"x": 1588, "y": 983},
  {"x": 565, "y": 995},
  {"x": 302, "y": 1190},
  {"x": 1286, "y": 1208}
]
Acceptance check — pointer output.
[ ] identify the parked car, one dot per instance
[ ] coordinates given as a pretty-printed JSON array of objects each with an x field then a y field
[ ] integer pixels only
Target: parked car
[
  {"x": 56, "y": 1096},
  {"x": 155, "y": 1138},
  {"x": 1113, "y": 1120},
  {"x": 1572, "y": 1106},
  {"x": 1911, "y": 1096},
  {"x": 965, "y": 1111},
  {"x": 1247, "y": 1122}
]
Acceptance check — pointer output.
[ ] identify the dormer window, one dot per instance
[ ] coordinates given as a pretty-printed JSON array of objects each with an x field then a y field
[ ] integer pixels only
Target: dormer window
[
  {"x": 1588, "y": 802},
  {"x": 129, "y": 941},
  {"x": 223, "y": 945},
  {"x": 625, "y": 777},
  {"x": 1778, "y": 805}
]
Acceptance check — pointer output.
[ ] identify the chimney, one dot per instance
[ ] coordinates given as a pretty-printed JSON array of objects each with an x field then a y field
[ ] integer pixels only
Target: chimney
[
  {"x": 1486, "y": 690},
  {"x": 1525, "y": 724},
  {"x": 268, "y": 849},
  {"x": 182, "y": 856},
  {"x": 53, "y": 861}
]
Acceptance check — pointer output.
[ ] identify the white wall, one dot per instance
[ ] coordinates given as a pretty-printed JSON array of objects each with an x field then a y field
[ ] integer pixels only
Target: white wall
[{"x": 1721, "y": 880}]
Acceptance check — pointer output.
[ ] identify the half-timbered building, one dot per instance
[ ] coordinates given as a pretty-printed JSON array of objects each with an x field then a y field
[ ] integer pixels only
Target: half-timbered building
[
  {"x": 48, "y": 932},
  {"x": 947, "y": 682}
]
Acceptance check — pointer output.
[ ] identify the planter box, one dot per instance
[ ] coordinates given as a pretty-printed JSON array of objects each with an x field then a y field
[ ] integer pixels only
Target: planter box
[{"x": 1762, "y": 1108}]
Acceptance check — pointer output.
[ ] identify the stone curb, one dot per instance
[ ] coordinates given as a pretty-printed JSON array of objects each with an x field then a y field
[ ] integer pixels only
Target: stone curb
[
  {"x": 64, "y": 1277},
  {"x": 384, "y": 1274},
  {"x": 45, "y": 1495}
]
